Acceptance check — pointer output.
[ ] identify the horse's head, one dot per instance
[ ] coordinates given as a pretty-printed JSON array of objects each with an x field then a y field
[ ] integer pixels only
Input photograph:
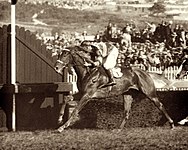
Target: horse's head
[
  {"x": 182, "y": 71},
  {"x": 181, "y": 74},
  {"x": 62, "y": 61}
]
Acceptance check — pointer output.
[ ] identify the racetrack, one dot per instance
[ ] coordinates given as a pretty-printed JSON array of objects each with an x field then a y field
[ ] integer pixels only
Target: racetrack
[{"x": 130, "y": 138}]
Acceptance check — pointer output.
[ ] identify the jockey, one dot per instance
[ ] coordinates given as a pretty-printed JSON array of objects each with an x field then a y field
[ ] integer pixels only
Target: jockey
[
  {"x": 184, "y": 60},
  {"x": 108, "y": 58},
  {"x": 89, "y": 53},
  {"x": 101, "y": 53}
]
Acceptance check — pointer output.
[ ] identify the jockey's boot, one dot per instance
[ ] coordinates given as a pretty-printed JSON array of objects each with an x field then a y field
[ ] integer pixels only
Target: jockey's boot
[{"x": 111, "y": 78}]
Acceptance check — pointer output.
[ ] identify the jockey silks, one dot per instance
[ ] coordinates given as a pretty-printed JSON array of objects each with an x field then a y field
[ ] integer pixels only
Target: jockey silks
[{"x": 110, "y": 52}]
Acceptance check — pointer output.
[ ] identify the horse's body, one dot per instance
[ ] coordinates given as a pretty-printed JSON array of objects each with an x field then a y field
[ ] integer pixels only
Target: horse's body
[{"x": 90, "y": 80}]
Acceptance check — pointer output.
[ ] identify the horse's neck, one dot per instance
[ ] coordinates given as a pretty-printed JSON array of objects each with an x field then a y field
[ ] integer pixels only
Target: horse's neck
[
  {"x": 83, "y": 72},
  {"x": 80, "y": 72}
]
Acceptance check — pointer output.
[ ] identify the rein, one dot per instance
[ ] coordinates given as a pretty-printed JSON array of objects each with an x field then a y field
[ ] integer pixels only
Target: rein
[
  {"x": 81, "y": 64},
  {"x": 74, "y": 62}
]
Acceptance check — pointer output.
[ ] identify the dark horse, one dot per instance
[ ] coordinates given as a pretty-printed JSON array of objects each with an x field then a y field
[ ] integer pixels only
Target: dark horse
[
  {"x": 90, "y": 80},
  {"x": 182, "y": 70}
]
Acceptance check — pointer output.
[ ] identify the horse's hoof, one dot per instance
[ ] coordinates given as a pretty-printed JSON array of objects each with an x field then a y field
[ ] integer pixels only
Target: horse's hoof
[
  {"x": 60, "y": 122},
  {"x": 172, "y": 126},
  {"x": 116, "y": 130},
  {"x": 60, "y": 129},
  {"x": 55, "y": 132}
]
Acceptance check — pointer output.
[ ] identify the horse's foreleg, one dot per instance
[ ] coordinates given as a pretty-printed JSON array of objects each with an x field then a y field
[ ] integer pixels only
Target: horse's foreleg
[
  {"x": 84, "y": 100},
  {"x": 160, "y": 106},
  {"x": 127, "y": 101},
  {"x": 61, "y": 113},
  {"x": 66, "y": 99}
]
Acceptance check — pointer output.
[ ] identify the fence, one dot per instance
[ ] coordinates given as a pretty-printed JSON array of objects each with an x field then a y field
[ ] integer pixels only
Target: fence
[
  {"x": 35, "y": 102},
  {"x": 34, "y": 63},
  {"x": 169, "y": 73}
]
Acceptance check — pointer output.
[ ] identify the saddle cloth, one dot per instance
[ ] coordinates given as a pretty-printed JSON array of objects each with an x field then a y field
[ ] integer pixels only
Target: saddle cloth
[{"x": 117, "y": 72}]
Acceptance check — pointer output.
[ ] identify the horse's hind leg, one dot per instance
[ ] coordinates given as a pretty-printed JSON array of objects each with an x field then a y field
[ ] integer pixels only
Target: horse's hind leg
[
  {"x": 127, "y": 101},
  {"x": 160, "y": 106}
]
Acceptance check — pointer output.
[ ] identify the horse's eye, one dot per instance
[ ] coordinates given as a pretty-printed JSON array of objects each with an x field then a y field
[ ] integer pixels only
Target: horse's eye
[{"x": 65, "y": 53}]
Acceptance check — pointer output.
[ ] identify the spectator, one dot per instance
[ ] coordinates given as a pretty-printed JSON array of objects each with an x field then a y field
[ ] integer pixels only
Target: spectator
[
  {"x": 176, "y": 28},
  {"x": 109, "y": 31},
  {"x": 171, "y": 43},
  {"x": 160, "y": 32},
  {"x": 114, "y": 31},
  {"x": 152, "y": 28},
  {"x": 182, "y": 36},
  {"x": 168, "y": 31},
  {"x": 97, "y": 36},
  {"x": 177, "y": 31},
  {"x": 126, "y": 38},
  {"x": 186, "y": 38}
]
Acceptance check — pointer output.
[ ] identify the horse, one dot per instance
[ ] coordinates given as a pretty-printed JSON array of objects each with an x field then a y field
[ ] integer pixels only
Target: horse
[
  {"x": 90, "y": 81},
  {"x": 182, "y": 70}
]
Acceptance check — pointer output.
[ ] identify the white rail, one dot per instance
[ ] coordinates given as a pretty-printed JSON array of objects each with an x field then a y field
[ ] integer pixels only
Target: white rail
[{"x": 170, "y": 74}]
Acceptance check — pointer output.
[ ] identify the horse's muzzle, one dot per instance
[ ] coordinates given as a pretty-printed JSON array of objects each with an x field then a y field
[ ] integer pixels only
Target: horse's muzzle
[
  {"x": 177, "y": 76},
  {"x": 58, "y": 70}
]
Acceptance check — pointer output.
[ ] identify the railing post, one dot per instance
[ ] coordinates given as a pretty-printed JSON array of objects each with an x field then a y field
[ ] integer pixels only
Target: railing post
[{"x": 13, "y": 60}]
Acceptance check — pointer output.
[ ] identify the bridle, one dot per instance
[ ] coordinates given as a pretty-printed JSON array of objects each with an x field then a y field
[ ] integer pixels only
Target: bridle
[
  {"x": 74, "y": 62},
  {"x": 61, "y": 62}
]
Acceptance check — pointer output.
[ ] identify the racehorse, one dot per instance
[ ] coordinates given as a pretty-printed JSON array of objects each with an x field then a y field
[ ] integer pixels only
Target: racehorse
[
  {"x": 182, "y": 70},
  {"x": 90, "y": 80}
]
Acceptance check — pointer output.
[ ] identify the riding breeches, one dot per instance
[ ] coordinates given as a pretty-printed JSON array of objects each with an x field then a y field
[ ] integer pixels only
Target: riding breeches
[{"x": 111, "y": 59}]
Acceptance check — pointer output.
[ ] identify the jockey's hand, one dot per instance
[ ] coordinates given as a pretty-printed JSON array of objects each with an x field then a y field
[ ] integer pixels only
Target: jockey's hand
[
  {"x": 96, "y": 64},
  {"x": 87, "y": 64}
]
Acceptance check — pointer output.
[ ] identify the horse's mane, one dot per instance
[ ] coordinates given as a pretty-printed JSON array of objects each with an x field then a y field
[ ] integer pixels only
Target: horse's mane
[{"x": 74, "y": 51}]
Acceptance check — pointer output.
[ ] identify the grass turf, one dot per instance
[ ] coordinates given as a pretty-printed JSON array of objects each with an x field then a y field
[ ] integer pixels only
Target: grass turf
[{"x": 129, "y": 138}]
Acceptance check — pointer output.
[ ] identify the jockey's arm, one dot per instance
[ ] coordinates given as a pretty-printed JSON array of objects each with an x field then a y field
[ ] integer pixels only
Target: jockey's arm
[
  {"x": 98, "y": 58},
  {"x": 91, "y": 62},
  {"x": 98, "y": 61},
  {"x": 94, "y": 63}
]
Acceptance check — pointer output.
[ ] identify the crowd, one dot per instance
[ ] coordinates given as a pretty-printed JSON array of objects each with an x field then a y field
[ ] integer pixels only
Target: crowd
[
  {"x": 156, "y": 45},
  {"x": 67, "y": 4}
]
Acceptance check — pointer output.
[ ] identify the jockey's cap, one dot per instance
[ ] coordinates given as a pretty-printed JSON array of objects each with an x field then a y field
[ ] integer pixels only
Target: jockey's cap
[
  {"x": 85, "y": 43},
  {"x": 96, "y": 45},
  {"x": 86, "y": 46}
]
